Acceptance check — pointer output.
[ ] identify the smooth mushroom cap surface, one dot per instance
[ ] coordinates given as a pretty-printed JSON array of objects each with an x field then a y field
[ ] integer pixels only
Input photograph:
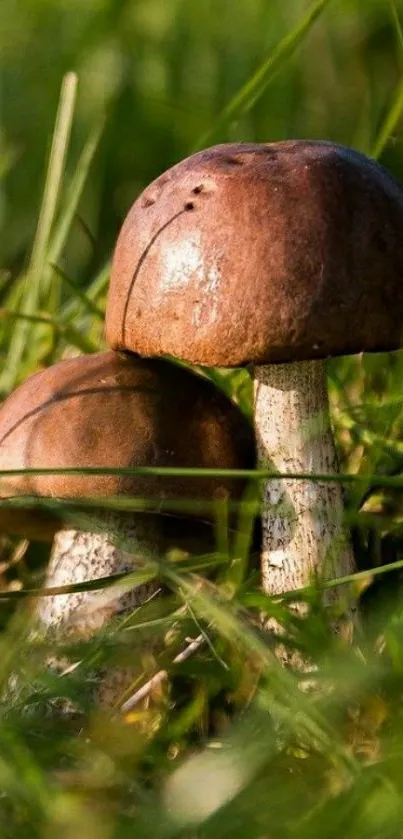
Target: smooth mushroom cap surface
[
  {"x": 115, "y": 409},
  {"x": 261, "y": 253}
]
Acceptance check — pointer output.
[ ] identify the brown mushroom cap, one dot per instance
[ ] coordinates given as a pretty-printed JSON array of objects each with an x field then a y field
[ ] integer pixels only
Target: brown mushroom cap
[
  {"x": 112, "y": 409},
  {"x": 261, "y": 253}
]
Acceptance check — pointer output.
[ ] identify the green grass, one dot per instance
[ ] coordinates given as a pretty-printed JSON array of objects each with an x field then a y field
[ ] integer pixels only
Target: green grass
[{"x": 231, "y": 747}]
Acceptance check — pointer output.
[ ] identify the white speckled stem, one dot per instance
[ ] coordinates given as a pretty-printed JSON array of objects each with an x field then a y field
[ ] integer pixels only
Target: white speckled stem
[
  {"x": 79, "y": 556},
  {"x": 303, "y": 532}
]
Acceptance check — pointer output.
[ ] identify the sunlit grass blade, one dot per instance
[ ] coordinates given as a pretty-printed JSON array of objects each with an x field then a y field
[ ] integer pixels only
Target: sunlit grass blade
[
  {"x": 38, "y": 317},
  {"x": 32, "y": 282},
  {"x": 246, "y": 97},
  {"x": 61, "y": 138},
  {"x": 398, "y": 26},
  {"x": 74, "y": 193},
  {"x": 51, "y": 280},
  {"x": 390, "y": 122},
  {"x": 190, "y": 472},
  {"x": 63, "y": 227},
  {"x": 396, "y": 107},
  {"x": 248, "y": 510},
  {"x": 134, "y": 578},
  {"x": 72, "y": 335}
]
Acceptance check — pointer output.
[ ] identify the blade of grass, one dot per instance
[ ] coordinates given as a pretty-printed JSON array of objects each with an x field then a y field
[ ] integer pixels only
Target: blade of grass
[
  {"x": 74, "y": 193},
  {"x": 390, "y": 122},
  {"x": 63, "y": 125},
  {"x": 396, "y": 107},
  {"x": 397, "y": 24},
  {"x": 51, "y": 281},
  {"x": 67, "y": 215},
  {"x": 77, "y": 292},
  {"x": 250, "y": 599},
  {"x": 72, "y": 335},
  {"x": 134, "y": 577},
  {"x": 246, "y": 97},
  {"x": 31, "y": 286},
  {"x": 86, "y": 230},
  {"x": 188, "y": 472},
  {"x": 94, "y": 290},
  {"x": 37, "y": 318}
]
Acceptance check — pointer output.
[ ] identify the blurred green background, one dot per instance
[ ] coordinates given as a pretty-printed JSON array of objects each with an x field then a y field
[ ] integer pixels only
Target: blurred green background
[{"x": 163, "y": 70}]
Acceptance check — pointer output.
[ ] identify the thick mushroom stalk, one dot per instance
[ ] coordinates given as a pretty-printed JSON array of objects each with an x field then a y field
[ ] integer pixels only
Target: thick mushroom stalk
[
  {"x": 81, "y": 556},
  {"x": 303, "y": 528}
]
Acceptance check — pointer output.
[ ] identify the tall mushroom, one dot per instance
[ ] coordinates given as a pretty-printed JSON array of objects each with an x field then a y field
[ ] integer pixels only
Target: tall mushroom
[
  {"x": 113, "y": 410},
  {"x": 276, "y": 256}
]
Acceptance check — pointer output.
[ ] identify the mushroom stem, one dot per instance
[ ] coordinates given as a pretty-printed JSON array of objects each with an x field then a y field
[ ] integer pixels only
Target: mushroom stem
[
  {"x": 81, "y": 556},
  {"x": 302, "y": 520}
]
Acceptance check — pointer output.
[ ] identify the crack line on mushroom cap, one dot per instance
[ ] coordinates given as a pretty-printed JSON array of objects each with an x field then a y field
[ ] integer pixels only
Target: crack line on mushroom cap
[{"x": 142, "y": 259}]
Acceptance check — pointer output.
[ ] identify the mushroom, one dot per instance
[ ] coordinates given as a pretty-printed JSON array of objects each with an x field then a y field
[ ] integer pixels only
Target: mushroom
[
  {"x": 114, "y": 410},
  {"x": 276, "y": 256}
]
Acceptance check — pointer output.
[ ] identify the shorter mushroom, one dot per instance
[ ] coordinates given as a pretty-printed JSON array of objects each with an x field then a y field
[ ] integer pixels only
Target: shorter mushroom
[{"x": 113, "y": 410}]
